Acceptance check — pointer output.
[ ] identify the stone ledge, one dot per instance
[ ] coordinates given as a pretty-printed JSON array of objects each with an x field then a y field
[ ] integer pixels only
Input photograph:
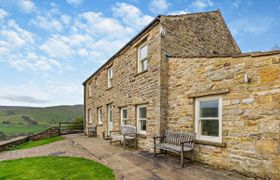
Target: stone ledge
[
  {"x": 223, "y": 145},
  {"x": 140, "y": 73},
  {"x": 209, "y": 93},
  {"x": 109, "y": 88}
]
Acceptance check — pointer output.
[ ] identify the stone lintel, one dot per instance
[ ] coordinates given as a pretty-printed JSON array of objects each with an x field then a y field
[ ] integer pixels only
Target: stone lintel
[
  {"x": 223, "y": 145},
  {"x": 209, "y": 93}
]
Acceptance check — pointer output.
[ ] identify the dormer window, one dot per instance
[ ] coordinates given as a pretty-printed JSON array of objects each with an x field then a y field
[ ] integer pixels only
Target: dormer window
[
  {"x": 110, "y": 77},
  {"x": 143, "y": 57}
]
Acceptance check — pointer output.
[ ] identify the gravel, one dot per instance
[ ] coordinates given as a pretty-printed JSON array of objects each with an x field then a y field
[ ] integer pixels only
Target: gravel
[{"x": 60, "y": 148}]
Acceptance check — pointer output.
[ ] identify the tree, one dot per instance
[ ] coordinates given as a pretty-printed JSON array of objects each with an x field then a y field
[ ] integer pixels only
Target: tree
[
  {"x": 78, "y": 120},
  {"x": 276, "y": 47}
]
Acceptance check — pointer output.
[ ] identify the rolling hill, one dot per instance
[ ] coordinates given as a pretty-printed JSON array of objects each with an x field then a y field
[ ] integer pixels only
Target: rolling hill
[{"x": 17, "y": 120}]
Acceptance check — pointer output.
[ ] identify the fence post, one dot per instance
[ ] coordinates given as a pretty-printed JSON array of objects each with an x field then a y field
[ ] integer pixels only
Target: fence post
[{"x": 59, "y": 128}]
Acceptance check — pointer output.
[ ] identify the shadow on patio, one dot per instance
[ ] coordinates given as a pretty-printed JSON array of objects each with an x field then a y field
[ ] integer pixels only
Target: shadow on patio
[{"x": 134, "y": 164}]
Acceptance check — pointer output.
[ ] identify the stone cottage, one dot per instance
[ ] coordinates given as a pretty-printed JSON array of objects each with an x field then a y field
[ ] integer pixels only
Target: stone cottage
[{"x": 186, "y": 73}]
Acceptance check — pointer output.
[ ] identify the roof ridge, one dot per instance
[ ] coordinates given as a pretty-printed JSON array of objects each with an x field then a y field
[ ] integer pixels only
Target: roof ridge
[
  {"x": 252, "y": 54},
  {"x": 194, "y": 13}
]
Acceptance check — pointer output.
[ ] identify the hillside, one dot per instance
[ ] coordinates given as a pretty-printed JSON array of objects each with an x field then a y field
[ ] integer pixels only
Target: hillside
[{"x": 16, "y": 120}]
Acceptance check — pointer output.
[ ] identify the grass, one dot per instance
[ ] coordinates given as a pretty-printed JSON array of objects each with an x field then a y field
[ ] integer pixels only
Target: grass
[
  {"x": 31, "y": 144},
  {"x": 18, "y": 129},
  {"x": 52, "y": 167},
  {"x": 46, "y": 115}
]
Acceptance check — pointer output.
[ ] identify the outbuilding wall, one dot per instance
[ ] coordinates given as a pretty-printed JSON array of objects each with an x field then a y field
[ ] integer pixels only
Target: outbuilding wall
[{"x": 250, "y": 111}]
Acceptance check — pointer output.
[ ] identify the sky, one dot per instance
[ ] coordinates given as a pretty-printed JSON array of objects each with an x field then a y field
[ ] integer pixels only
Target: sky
[{"x": 48, "y": 48}]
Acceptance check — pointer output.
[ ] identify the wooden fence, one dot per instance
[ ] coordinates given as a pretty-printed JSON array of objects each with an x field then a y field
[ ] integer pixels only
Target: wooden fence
[{"x": 68, "y": 128}]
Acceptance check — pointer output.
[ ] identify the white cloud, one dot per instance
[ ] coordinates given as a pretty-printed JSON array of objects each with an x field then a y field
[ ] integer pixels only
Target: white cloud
[
  {"x": 57, "y": 47},
  {"x": 74, "y": 2},
  {"x": 178, "y": 12},
  {"x": 15, "y": 37},
  {"x": 131, "y": 15},
  {"x": 30, "y": 93},
  {"x": 236, "y": 3},
  {"x": 26, "y": 6},
  {"x": 32, "y": 61},
  {"x": 158, "y": 6},
  {"x": 202, "y": 4},
  {"x": 47, "y": 23},
  {"x": 253, "y": 26},
  {"x": 65, "y": 19},
  {"x": 3, "y": 14},
  {"x": 97, "y": 25}
]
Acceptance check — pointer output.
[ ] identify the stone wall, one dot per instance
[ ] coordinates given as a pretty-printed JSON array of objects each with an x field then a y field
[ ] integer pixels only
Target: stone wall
[
  {"x": 129, "y": 89},
  {"x": 251, "y": 111},
  {"x": 197, "y": 34},
  {"x": 51, "y": 132}
]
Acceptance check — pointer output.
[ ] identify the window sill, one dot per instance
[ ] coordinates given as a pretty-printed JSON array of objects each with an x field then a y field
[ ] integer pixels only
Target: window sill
[
  {"x": 211, "y": 143},
  {"x": 109, "y": 88},
  {"x": 140, "y": 73}
]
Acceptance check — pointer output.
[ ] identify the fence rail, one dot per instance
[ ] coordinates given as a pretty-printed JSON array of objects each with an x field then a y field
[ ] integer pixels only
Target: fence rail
[{"x": 67, "y": 128}]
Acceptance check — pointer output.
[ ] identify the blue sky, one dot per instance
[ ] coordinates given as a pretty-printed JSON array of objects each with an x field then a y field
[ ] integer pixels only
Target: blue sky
[{"x": 48, "y": 48}]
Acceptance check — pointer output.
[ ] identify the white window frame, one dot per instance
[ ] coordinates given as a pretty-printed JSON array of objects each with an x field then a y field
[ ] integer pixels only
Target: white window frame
[
  {"x": 89, "y": 116},
  {"x": 99, "y": 115},
  {"x": 110, "y": 77},
  {"x": 197, "y": 119},
  {"x": 139, "y": 61},
  {"x": 122, "y": 118},
  {"x": 139, "y": 131},
  {"x": 90, "y": 90}
]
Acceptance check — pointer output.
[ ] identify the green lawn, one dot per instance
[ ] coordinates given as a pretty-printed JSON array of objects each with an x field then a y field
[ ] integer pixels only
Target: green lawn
[
  {"x": 31, "y": 144},
  {"x": 18, "y": 129},
  {"x": 52, "y": 167}
]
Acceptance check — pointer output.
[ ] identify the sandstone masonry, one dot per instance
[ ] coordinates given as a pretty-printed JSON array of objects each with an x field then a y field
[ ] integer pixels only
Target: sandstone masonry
[{"x": 192, "y": 56}]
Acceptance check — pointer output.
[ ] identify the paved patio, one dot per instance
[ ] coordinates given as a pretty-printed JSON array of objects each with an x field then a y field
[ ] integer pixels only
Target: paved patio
[{"x": 133, "y": 164}]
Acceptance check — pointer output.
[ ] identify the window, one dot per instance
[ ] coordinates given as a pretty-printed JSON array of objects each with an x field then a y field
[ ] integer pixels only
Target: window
[
  {"x": 89, "y": 90},
  {"x": 208, "y": 122},
  {"x": 89, "y": 116},
  {"x": 141, "y": 119},
  {"x": 124, "y": 116},
  {"x": 110, "y": 77},
  {"x": 99, "y": 115},
  {"x": 142, "y": 57}
]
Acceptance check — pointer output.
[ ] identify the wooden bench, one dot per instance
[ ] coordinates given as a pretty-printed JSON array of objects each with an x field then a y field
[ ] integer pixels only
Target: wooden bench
[
  {"x": 125, "y": 135},
  {"x": 92, "y": 131},
  {"x": 178, "y": 143}
]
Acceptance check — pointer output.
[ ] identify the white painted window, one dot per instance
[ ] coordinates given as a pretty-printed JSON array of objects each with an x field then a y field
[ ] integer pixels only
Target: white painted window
[
  {"x": 124, "y": 116},
  {"x": 208, "y": 119},
  {"x": 110, "y": 77},
  {"x": 90, "y": 90},
  {"x": 142, "y": 57},
  {"x": 99, "y": 115},
  {"x": 89, "y": 116},
  {"x": 141, "y": 119}
]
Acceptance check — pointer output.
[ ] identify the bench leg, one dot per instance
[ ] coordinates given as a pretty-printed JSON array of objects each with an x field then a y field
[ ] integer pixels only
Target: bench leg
[
  {"x": 124, "y": 144},
  {"x": 182, "y": 158},
  {"x": 155, "y": 151}
]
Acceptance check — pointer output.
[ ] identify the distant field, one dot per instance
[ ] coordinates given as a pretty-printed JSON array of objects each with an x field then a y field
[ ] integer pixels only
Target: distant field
[
  {"x": 15, "y": 121},
  {"x": 19, "y": 129}
]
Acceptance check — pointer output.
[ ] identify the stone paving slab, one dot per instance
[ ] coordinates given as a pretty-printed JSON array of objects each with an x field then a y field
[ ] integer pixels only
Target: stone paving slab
[{"x": 133, "y": 164}]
